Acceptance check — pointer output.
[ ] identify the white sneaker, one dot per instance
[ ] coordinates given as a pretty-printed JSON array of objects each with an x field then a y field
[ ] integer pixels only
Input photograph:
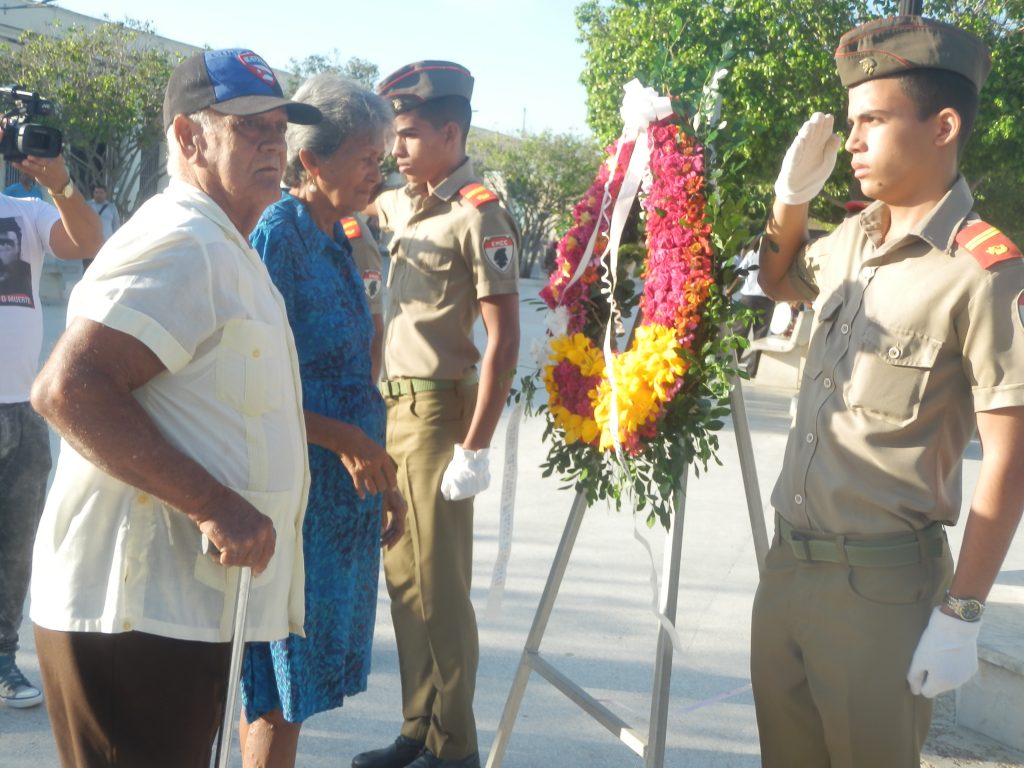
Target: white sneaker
[{"x": 15, "y": 690}]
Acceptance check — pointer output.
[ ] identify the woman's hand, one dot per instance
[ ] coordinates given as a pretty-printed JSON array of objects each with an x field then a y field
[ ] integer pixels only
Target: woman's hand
[
  {"x": 392, "y": 518},
  {"x": 369, "y": 465}
]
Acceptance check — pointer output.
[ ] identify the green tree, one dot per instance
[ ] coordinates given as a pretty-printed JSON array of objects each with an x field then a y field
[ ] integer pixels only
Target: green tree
[
  {"x": 361, "y": 71},
  {"x": 783, "y": 71},
  {"x": 541, "y": 176},
  {"x": 107, "y": 85}
]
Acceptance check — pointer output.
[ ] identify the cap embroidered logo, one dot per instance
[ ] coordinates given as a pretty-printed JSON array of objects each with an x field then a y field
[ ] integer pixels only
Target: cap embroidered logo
[{"x": 258, "y": 67}]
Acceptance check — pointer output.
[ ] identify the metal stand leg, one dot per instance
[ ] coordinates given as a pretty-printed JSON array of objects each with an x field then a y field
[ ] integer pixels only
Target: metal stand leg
[
  {"x": 540, "y": 623},
  {"x": 748, "y": 469},
  {"x": 655, "y": 753},
  {"x": 652, "y": 746}
]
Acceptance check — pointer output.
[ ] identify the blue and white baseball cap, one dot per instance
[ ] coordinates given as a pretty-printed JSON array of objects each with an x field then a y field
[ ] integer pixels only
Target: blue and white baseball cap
[{"x": 234, "y": 81}]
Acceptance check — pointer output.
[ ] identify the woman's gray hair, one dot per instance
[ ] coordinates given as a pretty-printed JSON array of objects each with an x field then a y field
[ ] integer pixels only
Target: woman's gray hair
[{"x": 348, "y": 110}]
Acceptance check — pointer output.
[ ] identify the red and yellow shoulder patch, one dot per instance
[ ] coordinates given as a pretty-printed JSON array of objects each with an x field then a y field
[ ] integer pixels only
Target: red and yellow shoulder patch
[
  {"x": 350, "y": 224},
  {"x": 986, "y": 244},
  {"x": 477, "y": 194}
]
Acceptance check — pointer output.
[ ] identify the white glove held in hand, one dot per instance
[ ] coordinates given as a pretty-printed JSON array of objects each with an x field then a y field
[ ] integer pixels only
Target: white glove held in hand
[
  {"x": 808, "y": 162},
  {"x": 946, "y": 655},
  {"x": 467, "y": 474}
]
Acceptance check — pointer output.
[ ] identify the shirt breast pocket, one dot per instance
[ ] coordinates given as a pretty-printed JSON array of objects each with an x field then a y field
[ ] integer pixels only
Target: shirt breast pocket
[
  {"x": 249, "y": 374},
  {"x": 426, "y": 276},
  {"x": 890, "y": 372}
]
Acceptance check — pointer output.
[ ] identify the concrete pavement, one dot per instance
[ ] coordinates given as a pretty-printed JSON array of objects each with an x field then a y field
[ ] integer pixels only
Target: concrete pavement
[{"x": 602, "y": 632}]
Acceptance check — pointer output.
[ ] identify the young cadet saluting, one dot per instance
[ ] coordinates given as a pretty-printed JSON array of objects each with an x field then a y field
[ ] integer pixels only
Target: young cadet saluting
[
  {"x": 453, "y": 259},
  {"x": 919, "y": 338}
]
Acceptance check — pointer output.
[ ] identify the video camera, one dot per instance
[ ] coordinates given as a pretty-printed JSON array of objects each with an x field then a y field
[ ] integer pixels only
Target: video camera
[{"x": 22, "y": 137}]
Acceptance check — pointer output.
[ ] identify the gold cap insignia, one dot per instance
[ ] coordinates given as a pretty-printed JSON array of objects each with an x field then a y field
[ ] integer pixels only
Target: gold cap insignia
[
  {"x": 869, "y": 65},
  {"x": 397, "y": 104}
]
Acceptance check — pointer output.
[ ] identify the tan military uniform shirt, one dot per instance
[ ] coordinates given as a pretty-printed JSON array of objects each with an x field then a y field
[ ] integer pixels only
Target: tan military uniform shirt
[
  {"x": 366, "y": 255},
  {"x": 450, "y": 248},
  {"x": 911, "y": 338}
]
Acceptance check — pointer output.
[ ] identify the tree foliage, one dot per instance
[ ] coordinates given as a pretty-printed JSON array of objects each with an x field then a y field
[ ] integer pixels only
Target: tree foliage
[
  {"x": 541, "y": 176},
  {"x": 783, "y": 71},
  {"x": 361, "y": 71},
  {"x": 107, "y": 85}
]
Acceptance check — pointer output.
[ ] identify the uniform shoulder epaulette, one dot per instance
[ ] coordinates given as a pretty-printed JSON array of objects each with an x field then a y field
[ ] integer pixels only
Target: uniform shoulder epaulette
[
  {"x": 350, "y": 224},
  {"x": 986, "y": 244},
  {"x": 477, "y": 194}
]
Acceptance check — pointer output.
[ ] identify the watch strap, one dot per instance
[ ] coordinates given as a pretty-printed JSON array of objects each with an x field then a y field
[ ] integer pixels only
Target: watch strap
[{"x": 965, "y": 608}]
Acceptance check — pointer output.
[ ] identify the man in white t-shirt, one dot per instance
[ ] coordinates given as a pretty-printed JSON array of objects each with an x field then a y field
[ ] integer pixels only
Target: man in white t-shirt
[
  {"x": 27, "y": 228},
  {"x": 176, "y": 391}
]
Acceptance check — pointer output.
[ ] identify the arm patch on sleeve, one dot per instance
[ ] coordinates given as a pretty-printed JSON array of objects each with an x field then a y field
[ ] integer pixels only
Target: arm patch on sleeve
[
  {"x": 477, "y": 194},
  {"x": 986, "y": 244}
]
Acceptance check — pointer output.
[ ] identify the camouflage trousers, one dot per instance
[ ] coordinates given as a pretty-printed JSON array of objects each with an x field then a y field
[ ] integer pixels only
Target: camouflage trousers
[{"x": 24, "y": 468}]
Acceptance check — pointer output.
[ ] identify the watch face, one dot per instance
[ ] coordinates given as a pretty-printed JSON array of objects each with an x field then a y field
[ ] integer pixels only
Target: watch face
[{"x": 970, "y": 610}]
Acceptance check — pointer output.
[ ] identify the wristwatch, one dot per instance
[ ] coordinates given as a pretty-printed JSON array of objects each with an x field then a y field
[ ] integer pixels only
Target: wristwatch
[
  {"x": 66, "y": 192},
  {"x": 965, "y": 608}
]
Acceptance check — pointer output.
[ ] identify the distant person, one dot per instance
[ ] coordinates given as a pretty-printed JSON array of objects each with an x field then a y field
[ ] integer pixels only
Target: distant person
[
  {"x": 27, "y": 228},
  {"x": 176, "y": 391},
  {"x": 354, "y": 505},
  {"x": 24, "y": 187},
  {"x": 107, "y": 211}
]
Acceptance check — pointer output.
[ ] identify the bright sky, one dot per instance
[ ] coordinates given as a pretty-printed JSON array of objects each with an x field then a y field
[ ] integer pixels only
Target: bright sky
[{"x": 523, "y": 54}]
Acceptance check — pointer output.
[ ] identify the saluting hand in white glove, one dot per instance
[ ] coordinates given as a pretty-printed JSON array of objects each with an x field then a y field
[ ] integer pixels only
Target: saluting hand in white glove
[
  {"x": 809, "y": 161},
  {"x": 946, "y": 655},
  {"x": 467, "y": 474}
]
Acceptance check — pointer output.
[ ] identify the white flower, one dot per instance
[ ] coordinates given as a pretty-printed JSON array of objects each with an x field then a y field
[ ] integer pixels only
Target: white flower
[
  {"x": 539, "y": 352},
  {"x": 557, "y": 321}
]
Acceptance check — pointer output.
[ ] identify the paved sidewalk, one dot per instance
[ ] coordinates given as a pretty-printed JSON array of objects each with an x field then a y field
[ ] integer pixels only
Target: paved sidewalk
[{"x": 602, "y": 632}]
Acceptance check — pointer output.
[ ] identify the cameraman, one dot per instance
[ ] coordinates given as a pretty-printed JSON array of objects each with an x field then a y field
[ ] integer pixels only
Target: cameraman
[{"x": 71, "y": 230}]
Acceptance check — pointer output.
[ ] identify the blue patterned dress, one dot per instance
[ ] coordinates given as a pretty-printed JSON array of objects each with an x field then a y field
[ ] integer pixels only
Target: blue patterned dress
[{"x": 333, "y": 330}]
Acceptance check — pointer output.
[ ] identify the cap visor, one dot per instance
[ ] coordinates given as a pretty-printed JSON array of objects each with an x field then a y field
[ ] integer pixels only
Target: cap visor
[{"x": 304, "y": 114}]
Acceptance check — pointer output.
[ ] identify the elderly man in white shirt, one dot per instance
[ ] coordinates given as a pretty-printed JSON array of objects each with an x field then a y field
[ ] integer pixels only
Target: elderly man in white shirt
[{"x": 176, "y": 391}]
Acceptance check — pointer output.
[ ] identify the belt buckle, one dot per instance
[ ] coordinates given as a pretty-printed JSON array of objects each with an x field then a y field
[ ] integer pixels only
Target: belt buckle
[{"x": 805, "y": 541}]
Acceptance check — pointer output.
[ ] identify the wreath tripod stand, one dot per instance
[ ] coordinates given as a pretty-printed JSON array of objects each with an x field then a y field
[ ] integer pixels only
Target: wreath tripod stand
[{"x": 649, "y": 746}]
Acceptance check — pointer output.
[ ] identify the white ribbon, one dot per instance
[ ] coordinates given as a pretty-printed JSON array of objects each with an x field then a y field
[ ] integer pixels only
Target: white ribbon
[{"x": 507, "y": 514}]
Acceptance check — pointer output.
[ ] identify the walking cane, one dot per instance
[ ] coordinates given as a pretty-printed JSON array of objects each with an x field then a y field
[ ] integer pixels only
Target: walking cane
[{"x": 223, "y": 755}]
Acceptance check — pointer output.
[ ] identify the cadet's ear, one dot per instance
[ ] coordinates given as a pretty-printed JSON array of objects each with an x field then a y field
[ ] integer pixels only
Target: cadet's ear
[
  {"x": 947, "y": 127},
  {"x": 452, "y": 134}
]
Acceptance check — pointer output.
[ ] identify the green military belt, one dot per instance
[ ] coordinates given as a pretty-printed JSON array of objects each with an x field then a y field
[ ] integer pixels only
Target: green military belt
[
  {"x": 881, "y": 552},
  {"x": 399, "y": 387}
]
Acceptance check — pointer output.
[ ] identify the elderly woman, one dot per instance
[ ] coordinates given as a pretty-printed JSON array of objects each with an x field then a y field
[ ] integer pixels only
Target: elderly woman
[{"x": 354, "y": 506}]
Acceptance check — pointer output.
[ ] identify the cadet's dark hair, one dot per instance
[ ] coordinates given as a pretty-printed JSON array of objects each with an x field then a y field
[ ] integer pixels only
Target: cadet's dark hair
[
  {"x": 932, "y": 90},
  {"x": 447, "y": 109}
]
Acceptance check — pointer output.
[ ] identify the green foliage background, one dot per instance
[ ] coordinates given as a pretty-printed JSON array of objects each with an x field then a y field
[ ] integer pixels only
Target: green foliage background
[
  {"x": 783, "y": 71},
  {"x": 107, "y": 85}
]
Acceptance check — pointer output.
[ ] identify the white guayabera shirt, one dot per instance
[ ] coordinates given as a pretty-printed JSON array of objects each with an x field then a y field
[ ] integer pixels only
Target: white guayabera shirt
[{"x": 181, "y": 279}]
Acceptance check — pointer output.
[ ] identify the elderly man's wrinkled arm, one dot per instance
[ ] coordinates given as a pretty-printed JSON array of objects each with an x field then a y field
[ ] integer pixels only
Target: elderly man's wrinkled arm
[{"x": 85, "y": 391}]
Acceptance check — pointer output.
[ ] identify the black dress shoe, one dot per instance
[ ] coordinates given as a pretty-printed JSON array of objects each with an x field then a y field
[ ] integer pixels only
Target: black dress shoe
[
  {"x": 398, "y": 755},
  {"x": 428, "y": 759}
]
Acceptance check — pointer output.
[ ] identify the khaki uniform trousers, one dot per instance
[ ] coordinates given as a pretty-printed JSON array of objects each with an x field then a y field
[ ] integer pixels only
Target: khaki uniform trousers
[
  {"x": 831, "y": 644},
  {"x": 429, "y": 572}
]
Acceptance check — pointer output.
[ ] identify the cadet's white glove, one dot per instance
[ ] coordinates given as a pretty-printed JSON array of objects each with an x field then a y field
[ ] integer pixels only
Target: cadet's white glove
[
  {"x": 467, "y": 474},
  {"x": 808, "y": 162},
  {"x": 946, "y": 655}
]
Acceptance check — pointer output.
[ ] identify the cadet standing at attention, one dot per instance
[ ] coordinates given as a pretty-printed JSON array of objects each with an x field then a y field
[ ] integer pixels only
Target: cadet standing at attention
[
  {"x": 454, "y": 258},
  {"x": 859, "y": 620}
]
